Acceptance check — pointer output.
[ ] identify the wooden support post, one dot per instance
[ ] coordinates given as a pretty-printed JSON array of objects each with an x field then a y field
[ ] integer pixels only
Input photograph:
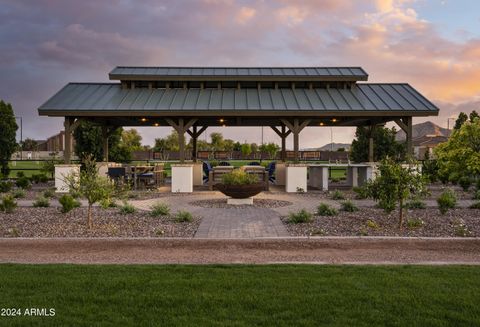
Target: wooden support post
[
  {"x": 67, "y": 151},
  {"x": 371, "y": 157},
  {"x": 408, "y": 121},
  {"x": 181, "y": 127},
  {"x": 105, "y": 135},
  {"x": 406, "y": 124},
  {"x": 194, "y": 134},
  {"x": 283, "y": 134},
  {"x": 296, "y": 128}
]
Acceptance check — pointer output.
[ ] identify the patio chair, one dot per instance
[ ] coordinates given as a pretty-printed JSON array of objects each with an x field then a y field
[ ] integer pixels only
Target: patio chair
[
  {"x": 271, "y": 171},
  {"x": 224, "y": 163},
  {"x": 254, "y": 163},
  {"x": 206, "y": 170},
  {"x": 116, "y": 173}
]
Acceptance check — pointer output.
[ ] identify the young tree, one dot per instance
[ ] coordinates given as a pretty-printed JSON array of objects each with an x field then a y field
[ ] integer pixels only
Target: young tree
[
  {"x": 91, "y": 186},
  {"x": 395, "y": 184},
  {"x": 29, "y": 145},
  {"x": 246, "y": 150},
  {"x": 217, "y": 141},
  {"x": 384, "y": 144},
  {"x": 459, "y": 158},
  {"x": 88, "y": 142},
  {"x": 8, "y": 133},
  {"x": 462, "y": 118},
  {"x": 272, "y": 149},
  {"x": 132, "y": 140}
]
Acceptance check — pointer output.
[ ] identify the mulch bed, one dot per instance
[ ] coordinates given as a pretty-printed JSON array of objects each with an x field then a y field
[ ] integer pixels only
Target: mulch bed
[
  {"x": 257, "y": 203},
  {"x": 374, "y": 222},
  {"x": 50, "y": 222}
]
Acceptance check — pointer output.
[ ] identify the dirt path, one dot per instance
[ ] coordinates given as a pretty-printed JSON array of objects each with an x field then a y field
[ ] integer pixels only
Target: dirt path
[{"x": 260, "y": 251}]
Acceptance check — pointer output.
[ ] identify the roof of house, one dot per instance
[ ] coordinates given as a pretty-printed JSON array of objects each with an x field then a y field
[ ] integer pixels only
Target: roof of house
[
  {"x": 239, "y": 73},
  {"x": 78, "y": 99}
]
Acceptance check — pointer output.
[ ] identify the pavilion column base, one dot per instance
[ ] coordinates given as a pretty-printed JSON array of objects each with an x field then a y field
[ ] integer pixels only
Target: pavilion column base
[
  {"x": 296, "y": 178},
  {"x": 238, "y": 202},
  {"x": 182, "y": 178},
  {"x": 62, "y": 172}
]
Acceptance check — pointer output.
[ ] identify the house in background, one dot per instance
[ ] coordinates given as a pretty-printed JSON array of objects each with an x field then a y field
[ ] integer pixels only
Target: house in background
[{"x": 426, "y": 143}]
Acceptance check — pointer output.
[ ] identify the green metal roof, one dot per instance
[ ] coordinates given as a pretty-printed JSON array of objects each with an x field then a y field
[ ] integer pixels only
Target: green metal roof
[
  {"x": 239, "y": 73},
  {"x": 77, "y": 99}
]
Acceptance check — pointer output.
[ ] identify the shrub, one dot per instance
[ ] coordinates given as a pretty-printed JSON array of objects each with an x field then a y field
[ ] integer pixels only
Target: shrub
[
  {"x": 108, "y": 203},
  {"x": 183, "y": 216},
  {"x": 68, "y": 203},
  {"x": 349, "y": 206},
  {"x": 361, "y": 192},
  {"x": 447, "y": 200},
  {"x": 8, "y": 204},
  {"x": 465, "y": 183},
  {"x": 414, "y": 223},
  {"x": 160, "y": 209},
  {"x": 39, "y": 178},
  {"x": 372, "y": 224},
  {"x": 49, "y": 193},
  {"x": 334, "y": 179},
  {"x": 41, "y": 202},
  {"x": 326, "y": 210},
  {"x": 20, "y": 174},
  {"x": 239, "y": 177},
  {"x": 19, "y": 193},
  {"x": 23, "y": 182},
  {"x": 416, "y": 204},
  {"x": 302, "y": 216},
  {"x": 475, "y": 205},
  {"x": 127, "y": 209},
  {"x": 337, "y": 195},
  {"x": 476, "y": 195},
  {"x": 460, "y": 229},
  {"x": 5, "y": 186}
]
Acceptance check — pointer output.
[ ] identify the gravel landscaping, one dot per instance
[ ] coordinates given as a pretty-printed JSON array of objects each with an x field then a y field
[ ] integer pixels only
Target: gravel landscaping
[
  {"x": 257, "y": 203},
  {"x": 50, "y": 222},
  {"x": 375, "y": 222}
]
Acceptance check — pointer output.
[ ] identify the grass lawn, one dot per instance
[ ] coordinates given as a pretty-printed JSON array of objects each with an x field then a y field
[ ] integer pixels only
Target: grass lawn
[{"x": 271, "y": 295}]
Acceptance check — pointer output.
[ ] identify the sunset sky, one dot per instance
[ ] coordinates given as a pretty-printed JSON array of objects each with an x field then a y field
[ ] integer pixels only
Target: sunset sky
[{"x": 433, "y": 45}]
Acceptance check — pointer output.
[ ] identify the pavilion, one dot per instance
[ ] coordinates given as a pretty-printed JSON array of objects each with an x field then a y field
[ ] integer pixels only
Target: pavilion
[{"x": 191, "y": 99}]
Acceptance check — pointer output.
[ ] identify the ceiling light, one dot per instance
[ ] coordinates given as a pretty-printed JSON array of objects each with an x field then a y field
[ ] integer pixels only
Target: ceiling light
[
  {"x": 143, "y": 119},
  {"x": 334, "y": 120},
  {"x": 222, "y": 120},
  {"x": 322, "y": 123},
  {"x": 156, "y": 124}
]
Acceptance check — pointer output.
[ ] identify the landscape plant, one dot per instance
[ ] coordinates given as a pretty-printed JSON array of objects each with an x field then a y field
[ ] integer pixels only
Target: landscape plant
[
  {"x": 19, "y": 193},
  {"x": 326, "y": 210},
  {"x": 6, "y": 186},
  {"x": 49, "y": 193},
  {"x": 23, "y": 182},
  {"x": 459, "y": 157},
  {"x": 8, "y": 204},
  {"x": 348, "y": 206},
  {"x": 41, "y": 202},
  {"x": 91, "y": 186},
  {"x": 160, "y": 209},
  {"x": 239, "y": 177},
  {"x": 127, "y": 209},
  {"x": 302, "y": 216},
  {"x": 68, "y": 203},
  {"x": 8, "y": 134},
  {"x": 337, "y": 195},
  {"x": 416, "y": 203},
  {"x": 183, "y": 216},
  {"x": 447, "y": 200},
  {"x": 395, "y": 184}
]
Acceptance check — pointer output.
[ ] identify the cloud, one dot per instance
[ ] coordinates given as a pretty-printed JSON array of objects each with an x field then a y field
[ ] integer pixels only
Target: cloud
[{"x": 46, "y": 43}]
